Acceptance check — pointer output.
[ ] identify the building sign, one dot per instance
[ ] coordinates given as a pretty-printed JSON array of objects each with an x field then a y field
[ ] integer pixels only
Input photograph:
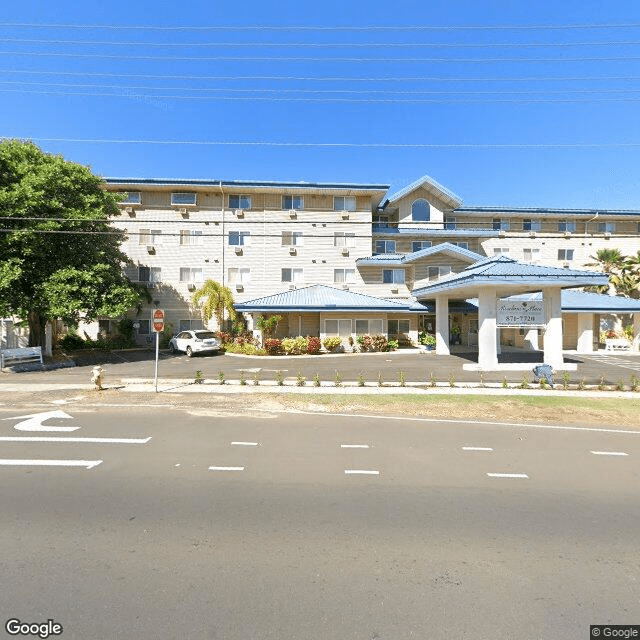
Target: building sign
[{"x": 520, "y": 313}]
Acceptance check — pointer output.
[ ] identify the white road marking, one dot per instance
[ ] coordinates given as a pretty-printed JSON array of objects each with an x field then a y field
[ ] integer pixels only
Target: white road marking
[
  {"x": 245, "y": 444},
  {"x": 508, "y": 475},
  {"x": 354, "y": 446},
  {"x": 477, "y": 449},
  {"x": 74, "y": 439},
  {"x": 609, "y": 453},
  {"x": 226, "y": 468},
  {"x": 89, "y": 464},
  {"x": 366, "y": 472},
  {"x": 34, "y": 421}
]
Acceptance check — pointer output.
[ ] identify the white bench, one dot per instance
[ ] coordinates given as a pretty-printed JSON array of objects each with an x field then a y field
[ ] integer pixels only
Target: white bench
[
  {"x": 617, "y": 344},
  {"x": 18, "y": 356}
]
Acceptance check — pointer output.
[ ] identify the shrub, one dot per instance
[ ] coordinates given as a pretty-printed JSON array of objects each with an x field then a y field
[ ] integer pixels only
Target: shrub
[
  {"x": 243, "y": 380},
  {"x": 221, "y": 377},
  {"x": 273, "y": 346},
  {"x": 316, "y": 380},
  {"x": 279, "y": 378},
  {"x": 338, "y": 379},
  {"x": 365, "y": 342},
  {"x": 295, "y": 346},
  {"x": 300, "y": 380},
  {"x": 380, "y": 342},
  {"x": 392, "y": 345},
  {"x": 225, "y": 337},
  {"x": 72, "y": 342},
  {"x": 313, "y": 345},
  {"x": 247, "y": 349},
  {"x": 403, "y": 379},
  {"x": 361, "y": 379},
  {"x": 332, "y": 343},
  {"x": 199, "y": 378}
]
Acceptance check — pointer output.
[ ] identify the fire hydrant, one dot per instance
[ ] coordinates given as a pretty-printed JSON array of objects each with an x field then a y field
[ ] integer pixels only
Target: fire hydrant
[{"x": 97, "y": 376}]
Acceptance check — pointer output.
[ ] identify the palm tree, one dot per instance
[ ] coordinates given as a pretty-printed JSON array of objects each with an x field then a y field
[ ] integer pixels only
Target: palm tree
[
  {"x": 612, "y": 263},
  {"x": 219, "y": 300}
]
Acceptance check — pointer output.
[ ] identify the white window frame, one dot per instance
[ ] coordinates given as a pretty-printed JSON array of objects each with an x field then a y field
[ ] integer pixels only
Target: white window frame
[
  {"x": 184, "y": 198},
  {"x": 292, "y": 203},
  {"x": 397, "y": 276},
  {"x": 450, "y": 224},
  {"x": 374, "y": 326},
  {"x": 461, "y": 245},
  {"x": 338, "y": 328},
  {"x": 565, "y": 255},
  {"x": 190, "y": 237},
  {"x": 567, "y": 226},
  {"x": 344, "y": 203},
  {"x": 344, "y": 276},
  {"x": 437, "y": 272},
  {"x": 191, "y": 275},
  {"x": 239, "y": 201},
  {"x": 388, "y": 246},
  {"x": 606, "y": 227},
  {"x": 500, "y": 224},
  {"x": 424, "y": 244},
  {"x": 132, "y": 197},
  {"x": 295, "y": 275},
  {"x": 344, "y": 239},
  {"x": 292, "y": 238},
  {"x": 398, "y": 321},
  {"x": 531, "y": 224},
  {"x": 149, "y": 237},
  {"x": 145, "y": 327},
  {"x": 500, "y": 251},
  {"x": 154, "y": 274},
  {"x": 241, "y": 238},
  {"x": 239, "y": 275},
  {"x": 428, "y": 216},
  {"x": 533, "y": 254}
]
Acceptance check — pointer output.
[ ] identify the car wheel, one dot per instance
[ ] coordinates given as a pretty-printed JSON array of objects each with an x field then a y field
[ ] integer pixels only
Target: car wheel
[
  {"x": 172, "y": 348},
  {"x": 189, "y": 352}
]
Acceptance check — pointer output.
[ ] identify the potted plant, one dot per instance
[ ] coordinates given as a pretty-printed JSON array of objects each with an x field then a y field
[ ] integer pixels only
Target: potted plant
[{"x": 428, "y": 341}]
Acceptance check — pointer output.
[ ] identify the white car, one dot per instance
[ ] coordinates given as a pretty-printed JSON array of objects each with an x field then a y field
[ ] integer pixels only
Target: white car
[{"x": 192, "y": 342}]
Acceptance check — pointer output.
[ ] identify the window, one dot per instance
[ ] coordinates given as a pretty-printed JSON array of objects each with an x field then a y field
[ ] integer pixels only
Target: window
[
  {"x": 450, "y": 224},
  {"x": 531, "y": 254},
  {"x": 292, "y": 275},
  {"x": 530, "y": 225},
  {"x": 393, "y": 276},
  {"x": 500, "y": 224},
  {"x": 566, "y": 255},
  {"x": 368, "y": 327},
  {"x": 145, "y": 327},
  {"x": 240, "y": 202},
  {"x": 189, "y": 325},
  {"x": 344, "y": 276},
  {"x": 385, "y": 246},
  {"x": 606, "y": 227},
  {"x": 188, "y": 274},
  {"x": 420, "y": 211},
  {"x": 190, "y": 237},
  {"x": 501, "y": 251},
  {"x": 149, "y": 274},
  {"x": 341, "y": 239},
  {"x": 394, "y": 327},
  {"x": 420, "y": 245},
  {"x": 292, "y": 202},
  {"x": 340, "y": 328},
  {"x": 150, "y": 237},
  {"x": 183, "y": 198},
  {"x": 438, "y": 272},
  {"x": 344, "y": 203},
  {"x": 239, "y": 275},
  {"x": 131, "y": 197},
  {"x": 567, "y": 226},
  {"x": 462, "y": 245},
  {"x": 291, "y": 238},
  {"x": 239, "y": 238}
]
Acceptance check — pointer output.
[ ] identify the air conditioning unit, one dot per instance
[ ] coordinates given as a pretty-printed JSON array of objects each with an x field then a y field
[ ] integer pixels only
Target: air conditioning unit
[
  {"x": 293, "y": 213},
  {"x": 345, "y": 215},
  {"x": 502, "y": 234},
  {"x": 345, "y": 286},
  {"x": 567, "y": 234},
  {"x": 150, "y": 285},
  {"x": 566, "y": 265},
  {"x": 151, "y": 249},
  {"x": 607, "y": 234},
  {"x": 394, "y": 289},
  {"x": 292, "y": 251},
  {"x": 345, "y": 251},
  {"x": 191, "y": 287},
  {"x": 292, "y": 286},
  {"x": 532, "y": 234},
  {"x": 131, "y": 211},
  {"x": 239, "y": 213},
  {"x": 183, "y": 212},
  {"x": 238, "y": 251}
]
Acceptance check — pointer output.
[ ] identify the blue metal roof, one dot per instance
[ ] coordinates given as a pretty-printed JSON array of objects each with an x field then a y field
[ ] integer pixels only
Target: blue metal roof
[
  {"x": 400, "y": 259},
  {"x": 577, "y": 301},
  {"x": 385, "y": 230},
  {"x": 546, "y": 211}
]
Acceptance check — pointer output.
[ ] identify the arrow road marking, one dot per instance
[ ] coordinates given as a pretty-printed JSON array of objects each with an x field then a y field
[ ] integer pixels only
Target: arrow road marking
[
  {"x": 33, "y": 422},
  {"x": 609, "y": 453},
  {"x": 74, "y": 439},
  {"x": 508, "y": 475},
  {"x": 88, "y": 464}
]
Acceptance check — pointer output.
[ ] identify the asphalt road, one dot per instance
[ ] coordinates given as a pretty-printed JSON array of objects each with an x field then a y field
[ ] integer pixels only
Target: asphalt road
[{"x": 278, "y": 541}]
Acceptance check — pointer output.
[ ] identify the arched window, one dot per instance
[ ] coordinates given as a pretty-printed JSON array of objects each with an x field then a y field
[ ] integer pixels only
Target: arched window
[{"x": 420, "y": 211}]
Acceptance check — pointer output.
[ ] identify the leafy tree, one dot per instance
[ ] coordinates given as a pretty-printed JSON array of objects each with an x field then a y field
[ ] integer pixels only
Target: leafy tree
[
  {"x": 59, "y": 255},
  {"x": 219, "y": 299}
]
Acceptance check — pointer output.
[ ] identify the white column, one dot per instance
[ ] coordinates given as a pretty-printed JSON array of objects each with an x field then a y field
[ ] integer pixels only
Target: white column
[
  {"x": 585, "y": 333},
  {"x": 553, "y": 333},
  {"x": 487, "y": 334},
  {"x": 531, "y": 339},
  {"x": 442, "y": 326},
  {"x": 48, "y": 338},
  {"x": 636, "y": 332}
]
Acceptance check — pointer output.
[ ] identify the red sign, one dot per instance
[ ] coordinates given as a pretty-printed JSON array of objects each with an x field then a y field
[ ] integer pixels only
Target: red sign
[{"x": 158, "y": 320}]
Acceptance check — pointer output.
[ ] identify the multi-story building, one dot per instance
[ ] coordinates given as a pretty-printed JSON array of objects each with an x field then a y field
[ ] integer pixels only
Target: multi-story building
[{"x": 348, "y": 259}]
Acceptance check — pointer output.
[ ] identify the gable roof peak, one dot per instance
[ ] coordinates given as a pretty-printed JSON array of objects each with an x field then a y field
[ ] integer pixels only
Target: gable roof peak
[{"x": 432, "y": 186}]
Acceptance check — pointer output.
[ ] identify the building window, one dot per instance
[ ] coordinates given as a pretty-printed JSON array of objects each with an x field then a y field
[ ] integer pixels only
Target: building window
[
  {"x": 344, "y": 203},
  {"x": 393, "y": 276},
  {"x": 530, "y": 225},
  {"x": 606, "y": 227},
  {"x": 395, "y": 327},
  {"x": 435, "y": 273},
  {"x": 239, "y": 202},
  {"x": 131, "y": 197},
  {"x": 420, "y": 245},
  {"x": 566, "y": 226},
  {"x": 291, "y": 238},
  {"x": 341, "y": 239},
  {"x": 183, "y": 199},
  {"x": 420, "y": 211},
  {"x": 190, "y": 325},
  {"x": 292, "y": 275},
  {"x": 461, "y": 245},
  {"x": 385, "y": 246},
  {"x": 344, "y": 276},
  {"x": 340, "y": 328},
  {"x": 149, "y": 274},
  {"x": 565, "y": 255},
  {"x": 450, "y": 224},
  {"x": 150, "y": 237},
  {"x": 292, "y": 202},
  {"x": 190, "y": 274},
  {"x": 501, "y": 251},
  {"x": 145, "y": 327},
  {"x": 239, "y": 275},
  {"x": 190, "y": 237},
  {"x": 500, "y": 224},
  {"x": 530, "y": 254},
  {"x": 368, "y": 327},
  {"x": 239, "y": 238}
]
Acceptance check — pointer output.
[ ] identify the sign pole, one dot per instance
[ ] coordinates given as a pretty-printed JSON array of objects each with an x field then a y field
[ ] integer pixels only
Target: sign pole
[
  {"x": 157, "y": 352},
  {"x": 158, "y": 326}
]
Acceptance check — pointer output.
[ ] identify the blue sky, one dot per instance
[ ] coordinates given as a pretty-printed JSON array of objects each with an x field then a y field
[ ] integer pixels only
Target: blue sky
[{"x": 542, "y": 117}]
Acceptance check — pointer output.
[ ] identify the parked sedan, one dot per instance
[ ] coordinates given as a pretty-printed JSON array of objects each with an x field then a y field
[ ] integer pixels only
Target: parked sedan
[{"x": 192, "y": 342}]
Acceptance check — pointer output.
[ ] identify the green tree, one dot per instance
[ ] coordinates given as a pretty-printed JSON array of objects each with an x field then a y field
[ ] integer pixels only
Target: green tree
[
  {"x": 218, "y": 300},
  {"x": 612, "y": 262},
  {"x": 59, "y": 255}
]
